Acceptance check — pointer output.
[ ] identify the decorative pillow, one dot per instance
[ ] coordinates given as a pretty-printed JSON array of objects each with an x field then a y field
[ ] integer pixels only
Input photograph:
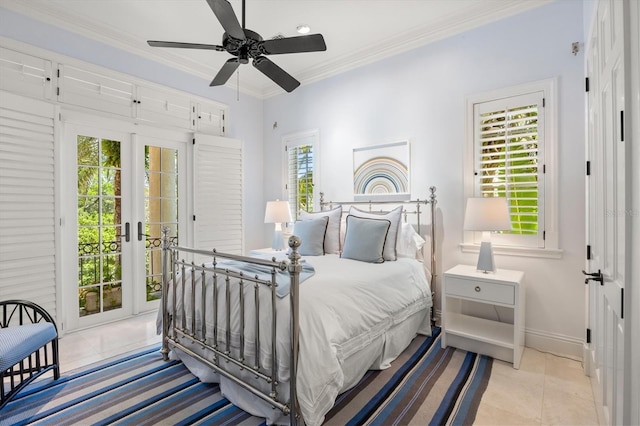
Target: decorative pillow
[
  {"x": 365, "y": 238},
  {"x": 332, "y": 239},
  {"x": 395, "y": 217},
  {"x": 409, "y": 242},
  {"x": 312, "y": 234}
]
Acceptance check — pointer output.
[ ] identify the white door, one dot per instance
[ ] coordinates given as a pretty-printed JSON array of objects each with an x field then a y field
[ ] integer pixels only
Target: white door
[
  {"x": 608, "y": 201},
  {"x": 123, "y": 188}
]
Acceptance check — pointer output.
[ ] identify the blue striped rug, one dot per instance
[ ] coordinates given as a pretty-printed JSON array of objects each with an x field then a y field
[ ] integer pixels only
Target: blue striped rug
[{"x": 426, "y": 384}]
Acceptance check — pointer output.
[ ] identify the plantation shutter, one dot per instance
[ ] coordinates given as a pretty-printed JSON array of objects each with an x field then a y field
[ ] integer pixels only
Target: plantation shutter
[
  {"x": 218, "y": 194},
  {"x": 509, "y": 160},
  {"x": 300, "y": 178},
  {"x": 27, "y": 201}
]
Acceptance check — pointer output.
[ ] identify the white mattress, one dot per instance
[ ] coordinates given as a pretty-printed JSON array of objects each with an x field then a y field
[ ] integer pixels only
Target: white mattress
[{"x": 354, "y": 316}]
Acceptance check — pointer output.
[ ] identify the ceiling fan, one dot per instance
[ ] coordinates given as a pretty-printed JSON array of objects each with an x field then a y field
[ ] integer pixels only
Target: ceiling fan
[{"x": 244, "y": 44}]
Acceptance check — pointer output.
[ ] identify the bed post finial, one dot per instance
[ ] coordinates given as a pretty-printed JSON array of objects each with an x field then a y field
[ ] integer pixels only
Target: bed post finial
[{"x": 294, "y": 296}]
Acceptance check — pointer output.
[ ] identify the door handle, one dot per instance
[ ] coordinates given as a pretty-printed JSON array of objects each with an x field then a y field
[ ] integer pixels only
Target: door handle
[
  {"x": 595, "y": 276},
  {"x": 140, "y": 234},
  {"x": 127, "y": 232}
]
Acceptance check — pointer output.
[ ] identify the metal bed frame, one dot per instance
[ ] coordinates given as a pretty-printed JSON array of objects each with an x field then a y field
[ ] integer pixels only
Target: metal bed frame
[{"x": 178, "y": 272}]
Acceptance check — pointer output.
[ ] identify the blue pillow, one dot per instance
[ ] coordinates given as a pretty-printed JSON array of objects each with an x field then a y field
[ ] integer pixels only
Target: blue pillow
[
  {"x": 365, "y": 238},
  {"x": 311, "y": 233},
  {"x": 395, "y": 217}
]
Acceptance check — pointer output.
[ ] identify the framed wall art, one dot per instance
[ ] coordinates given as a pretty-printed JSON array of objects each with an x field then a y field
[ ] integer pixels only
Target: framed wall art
[{"x": 381, "y": 172}]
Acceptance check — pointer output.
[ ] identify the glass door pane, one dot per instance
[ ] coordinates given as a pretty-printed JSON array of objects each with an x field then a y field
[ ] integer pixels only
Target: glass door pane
[
  {"x": 100, "y": 230},
  {"x": 161, "y": 210}
]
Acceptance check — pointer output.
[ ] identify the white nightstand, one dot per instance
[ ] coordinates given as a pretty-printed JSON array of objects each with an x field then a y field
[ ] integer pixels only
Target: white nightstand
[{"x": 504, "y": 287}]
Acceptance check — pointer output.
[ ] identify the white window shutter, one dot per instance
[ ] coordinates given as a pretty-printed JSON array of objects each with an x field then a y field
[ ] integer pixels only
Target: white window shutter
[
  {"x": 301, "y": 172},
  {"x": 509, "y": 139},
  {"x": 27, "y": 201},
  {"x": 217, "y": 182}
]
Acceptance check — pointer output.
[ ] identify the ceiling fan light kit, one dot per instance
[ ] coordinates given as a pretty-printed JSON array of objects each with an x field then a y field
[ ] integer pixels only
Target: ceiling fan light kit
[{"x": 245, "y": 44}]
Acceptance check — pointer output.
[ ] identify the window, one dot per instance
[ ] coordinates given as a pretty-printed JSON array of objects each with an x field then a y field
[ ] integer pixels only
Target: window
[
  {"x": 301, "y": 171},
  {"x": 510, "y": 154}
]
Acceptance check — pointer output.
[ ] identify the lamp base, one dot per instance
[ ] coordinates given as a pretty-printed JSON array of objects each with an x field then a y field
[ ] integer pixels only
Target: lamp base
[
  {"x": 278, "y": 240},
  {"x": 485, "y": 258}
]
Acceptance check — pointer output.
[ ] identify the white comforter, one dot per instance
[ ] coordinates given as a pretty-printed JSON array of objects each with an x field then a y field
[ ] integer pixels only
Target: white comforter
[{"x": 344, "y": 307}]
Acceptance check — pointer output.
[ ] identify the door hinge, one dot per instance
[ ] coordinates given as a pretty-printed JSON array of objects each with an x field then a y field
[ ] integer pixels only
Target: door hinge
[
  {"x": 544, "y": 168},
  {"x": 57, "y": 91},
  {"x": 544, "y": 235},
  {"x": 544, "y": 102},
  {"x": 193, "y": 141},
  {"x": 588, "y": 168},
  {"x": 622, "y": 303},
  {"x": 588, "y": 251},
  {"x": 588, "y": 335},
  {"x": 586, "y": 84},
  {"x": 621, "y": 126},
  {"x": 194, "y": 217},
  {"x": 58, "y": 72}
]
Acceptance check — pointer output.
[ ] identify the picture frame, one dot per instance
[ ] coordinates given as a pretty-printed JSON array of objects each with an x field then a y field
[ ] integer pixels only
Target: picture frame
[{"x": 382, "y": 172}]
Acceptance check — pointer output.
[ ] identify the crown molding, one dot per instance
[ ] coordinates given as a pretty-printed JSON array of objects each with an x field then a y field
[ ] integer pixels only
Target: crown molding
[{"x": 454, "y": 23}]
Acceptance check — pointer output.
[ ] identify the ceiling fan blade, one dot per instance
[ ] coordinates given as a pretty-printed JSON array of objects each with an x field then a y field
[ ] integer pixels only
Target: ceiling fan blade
[
  {"x": 227, "y": 17},
  {"x": 307, "y": 43},
  {"x": 225, "y": 72},
  {"x": 275, "y": 73},
  {"x": 156, "y": 43}
]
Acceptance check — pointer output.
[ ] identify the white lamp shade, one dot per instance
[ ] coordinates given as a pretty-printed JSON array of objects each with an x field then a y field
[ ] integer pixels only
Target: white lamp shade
[
  {"x": 277, "y": 212},
  {"x": 487, "y": 214}
]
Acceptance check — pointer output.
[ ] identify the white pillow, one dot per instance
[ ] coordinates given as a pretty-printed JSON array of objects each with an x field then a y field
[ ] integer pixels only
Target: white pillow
[
  {"x": 332, "y": 237},
  {"x": 409, "y": 242},
  {"x": 395, "y": 217}
]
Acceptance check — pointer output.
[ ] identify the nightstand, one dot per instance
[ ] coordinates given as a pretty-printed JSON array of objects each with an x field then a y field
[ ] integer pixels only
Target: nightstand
[{"x": 501, "y": 340}]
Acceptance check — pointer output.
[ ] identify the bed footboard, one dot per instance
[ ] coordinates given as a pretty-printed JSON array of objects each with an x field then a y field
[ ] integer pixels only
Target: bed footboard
[{"x": 209, "y": 315}]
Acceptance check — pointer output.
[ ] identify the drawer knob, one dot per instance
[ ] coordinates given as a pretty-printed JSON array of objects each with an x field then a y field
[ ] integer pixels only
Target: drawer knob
[{"x": 478, "y": 288}]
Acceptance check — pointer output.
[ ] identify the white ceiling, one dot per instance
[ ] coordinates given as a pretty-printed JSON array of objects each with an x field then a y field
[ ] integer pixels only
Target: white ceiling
[{"x": 356, "y": 32}]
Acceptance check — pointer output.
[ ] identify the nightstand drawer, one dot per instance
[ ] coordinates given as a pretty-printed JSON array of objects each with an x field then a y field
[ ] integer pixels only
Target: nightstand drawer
[{"x": 479, "y": 290}]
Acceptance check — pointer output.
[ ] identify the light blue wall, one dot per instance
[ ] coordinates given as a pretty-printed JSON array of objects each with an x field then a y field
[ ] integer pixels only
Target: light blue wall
[
  {"x": 420, "y": 96},
  {"x": 245, "y": 115},
  {"x": 417, "y": 95}
]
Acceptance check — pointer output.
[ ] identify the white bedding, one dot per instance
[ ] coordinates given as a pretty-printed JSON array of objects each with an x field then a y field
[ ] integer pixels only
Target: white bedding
[{"x": 347, "y": 306}]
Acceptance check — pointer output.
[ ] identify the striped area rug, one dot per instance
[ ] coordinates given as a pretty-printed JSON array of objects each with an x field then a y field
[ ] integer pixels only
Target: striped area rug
[{"x": 425, "y": 385}]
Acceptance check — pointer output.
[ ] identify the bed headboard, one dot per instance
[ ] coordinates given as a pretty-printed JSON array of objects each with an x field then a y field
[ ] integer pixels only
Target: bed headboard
[{"x": 410, "y": 208}]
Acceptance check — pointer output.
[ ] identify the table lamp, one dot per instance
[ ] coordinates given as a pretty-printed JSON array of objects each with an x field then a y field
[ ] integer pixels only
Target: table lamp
[
  {"x": 487, "y": 214},
  {"x": 277, "y": 212}
]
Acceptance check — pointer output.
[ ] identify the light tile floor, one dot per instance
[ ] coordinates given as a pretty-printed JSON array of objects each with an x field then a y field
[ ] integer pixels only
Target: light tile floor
[{"x": 546, "y": 390}]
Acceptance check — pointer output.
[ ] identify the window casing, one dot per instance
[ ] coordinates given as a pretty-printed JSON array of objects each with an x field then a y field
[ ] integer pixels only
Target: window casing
[
  {"x": 300, "y": 175},
  {"x": 511, "y": 153}
]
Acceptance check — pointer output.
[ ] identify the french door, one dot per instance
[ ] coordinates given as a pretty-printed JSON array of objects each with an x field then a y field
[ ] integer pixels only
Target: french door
[{"x": 127, "y": 188}]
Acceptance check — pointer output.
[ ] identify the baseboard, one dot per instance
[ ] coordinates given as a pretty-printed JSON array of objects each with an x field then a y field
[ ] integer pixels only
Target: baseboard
[{"x": 557, "y": 344}]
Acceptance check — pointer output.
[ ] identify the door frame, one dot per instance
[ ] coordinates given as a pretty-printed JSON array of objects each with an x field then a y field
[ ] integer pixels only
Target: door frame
[{"x": 71, "y": 120}]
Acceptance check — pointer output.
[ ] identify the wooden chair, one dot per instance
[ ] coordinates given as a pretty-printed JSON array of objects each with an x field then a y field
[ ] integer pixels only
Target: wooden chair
[{"x": 28, "y": 346}]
